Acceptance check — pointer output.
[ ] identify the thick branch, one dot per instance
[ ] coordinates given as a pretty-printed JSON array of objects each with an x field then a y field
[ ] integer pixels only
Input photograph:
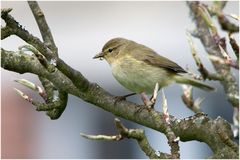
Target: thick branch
[{"x": 6, "y": 32}]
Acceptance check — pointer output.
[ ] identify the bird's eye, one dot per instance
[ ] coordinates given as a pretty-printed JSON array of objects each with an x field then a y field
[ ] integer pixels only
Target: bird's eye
[{"x": 110, "y": 50}]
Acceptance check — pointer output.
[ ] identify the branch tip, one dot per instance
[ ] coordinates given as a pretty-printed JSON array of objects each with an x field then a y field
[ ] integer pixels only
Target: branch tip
[
  {"x": 101, "y": 137},
  {"x": 165, "y": 108},
  {"x": 5, "y": 11},
  {"x": 23, "y": 95},
  {"x": 27, "y": 84},
  {"x": 234, "y": 16},
  {"x": 188, "y": 100}
]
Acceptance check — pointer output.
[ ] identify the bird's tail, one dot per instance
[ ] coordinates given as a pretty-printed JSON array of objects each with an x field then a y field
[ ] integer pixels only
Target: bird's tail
[{"x": 184, "y": 80}]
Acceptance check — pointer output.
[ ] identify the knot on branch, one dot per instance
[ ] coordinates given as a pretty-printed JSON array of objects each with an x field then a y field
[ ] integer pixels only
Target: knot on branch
[
  {"x": 5, "y": 11},
  {"x": 223, "y": 127}
]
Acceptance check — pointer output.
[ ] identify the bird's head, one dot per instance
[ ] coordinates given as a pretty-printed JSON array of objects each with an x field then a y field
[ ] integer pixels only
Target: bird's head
[{"x": 111, "y": 51}]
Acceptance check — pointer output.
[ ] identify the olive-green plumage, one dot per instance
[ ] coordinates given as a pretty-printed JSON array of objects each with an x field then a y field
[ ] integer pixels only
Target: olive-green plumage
[{"x": 139, "y": 68}]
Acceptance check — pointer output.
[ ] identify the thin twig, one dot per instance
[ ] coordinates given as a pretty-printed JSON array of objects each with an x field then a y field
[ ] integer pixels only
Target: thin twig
[
  {"x": 102, "y": 137},
  {"x": 188, "y": 100},
  {"x": 172, "y": 139},
  {"x": 207, "y": 18},
  {"x": 226, "y": 60},
  {"x": 204, "y": 72},
  {"x": 216, "y": 9},
  {"x": 137, "y": 134},
  {"x": 54, "y": 109},
  {"x": 211, "y": 45},
  {"x": 48, "y": 65},
  {"x": 43, "y": 26},
  {"x": 234, "y": 16},
  {"x": 33, "y": 86},
  {"x": 75, "y": 76},
  {"x": 227, "y": 25}
]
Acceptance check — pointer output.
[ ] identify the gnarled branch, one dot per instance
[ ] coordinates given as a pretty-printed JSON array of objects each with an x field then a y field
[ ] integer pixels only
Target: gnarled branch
[{"x": 211, "y": 41}]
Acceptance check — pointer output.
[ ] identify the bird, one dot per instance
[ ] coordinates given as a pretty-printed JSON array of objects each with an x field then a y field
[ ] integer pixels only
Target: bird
[{"x": 139, "y": 68}]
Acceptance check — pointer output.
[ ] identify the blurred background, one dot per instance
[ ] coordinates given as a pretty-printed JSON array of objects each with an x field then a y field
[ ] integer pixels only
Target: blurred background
[{"x": 80, "y": 29}]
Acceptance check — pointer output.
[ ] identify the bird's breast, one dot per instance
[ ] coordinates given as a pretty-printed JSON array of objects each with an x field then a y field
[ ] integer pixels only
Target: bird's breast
[{"x": 138, "y": 76}]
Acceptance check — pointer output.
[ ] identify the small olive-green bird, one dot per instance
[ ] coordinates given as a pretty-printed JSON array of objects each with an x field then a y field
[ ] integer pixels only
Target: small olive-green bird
[{"x": 139, "y": 68}]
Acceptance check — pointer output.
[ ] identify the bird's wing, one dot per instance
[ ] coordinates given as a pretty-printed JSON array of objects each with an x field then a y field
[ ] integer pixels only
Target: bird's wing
[{"x": 152, "y": 58}]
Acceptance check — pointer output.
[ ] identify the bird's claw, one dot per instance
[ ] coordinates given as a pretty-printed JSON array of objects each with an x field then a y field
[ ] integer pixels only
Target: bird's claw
[
  {"x": 122, "y": 98},
  {"x": 150, "y": 104},
  {"x": 143, "y": 107},
  {"x": 119, "y": 98}
]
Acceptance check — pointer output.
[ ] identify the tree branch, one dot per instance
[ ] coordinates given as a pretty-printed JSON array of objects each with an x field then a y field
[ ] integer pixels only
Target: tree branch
[
  {"x": 199, "y": 127},
  {"x": 211, "y": 40},
  {"x": 5, "y": 32},
  {"x": 234, "y": 45},
  {"x": 216, "y": 9},
  {"x": 172, "y": 139},
  {"x": 226, "y": 24},
  {"x": 75, "y": 76},
  {"x": 188, "y": 100},
  {"x": 204, "y": 72},
  {"x": 43, "y": 26},
  {"x": 137, "y": 134}
]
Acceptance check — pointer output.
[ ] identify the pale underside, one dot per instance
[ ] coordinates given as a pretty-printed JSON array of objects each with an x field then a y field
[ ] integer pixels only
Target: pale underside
[{"x": 138, "y": 76}]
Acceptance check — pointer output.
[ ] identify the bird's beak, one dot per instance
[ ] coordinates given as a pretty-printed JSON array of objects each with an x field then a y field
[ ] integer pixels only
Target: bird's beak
[{"x": 99, "y": 55}]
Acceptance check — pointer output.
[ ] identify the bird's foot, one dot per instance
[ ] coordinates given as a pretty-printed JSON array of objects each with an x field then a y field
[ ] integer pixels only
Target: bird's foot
[
  {"x": 150, "y": 103},
  {"x": 122, "y": 98},
  {"x": 143, "y": 107}
]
